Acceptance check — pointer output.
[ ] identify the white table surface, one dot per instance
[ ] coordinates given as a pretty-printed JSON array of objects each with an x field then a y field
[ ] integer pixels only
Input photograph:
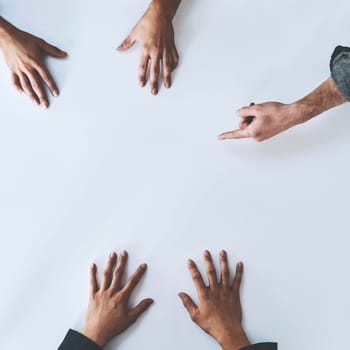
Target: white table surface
[{"x": 109, "y": 166}]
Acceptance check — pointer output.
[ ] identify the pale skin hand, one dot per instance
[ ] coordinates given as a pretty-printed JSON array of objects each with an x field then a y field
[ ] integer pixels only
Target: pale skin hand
[
  {"x": 109, "y": 313},
  {"x": 25, "y": 56},
  {"x": 219, "y": 312},
  {"x": 262, "y": 121},
  {"x": 155, "y": 33}
]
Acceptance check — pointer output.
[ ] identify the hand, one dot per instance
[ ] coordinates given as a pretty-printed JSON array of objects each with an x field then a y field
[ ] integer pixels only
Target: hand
[
  {"x": 108, "y": 313},
  {"x": 219, "y": 312},
  {"x": 25, "y": 56},
  {"x": 156, "y": 36},
  {"x": 265, "y": 120}
]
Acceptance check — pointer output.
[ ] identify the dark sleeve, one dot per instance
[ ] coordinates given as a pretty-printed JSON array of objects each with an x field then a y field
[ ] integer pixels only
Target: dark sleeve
[
  {"x": 76, "y": 341},
  {"x": 340, "y": 69},
  {"x": 262, "y": 346}
]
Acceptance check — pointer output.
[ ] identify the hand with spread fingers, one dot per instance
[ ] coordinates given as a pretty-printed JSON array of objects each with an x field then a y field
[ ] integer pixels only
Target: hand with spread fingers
[
  {"x": 155, "y": 33},
  {"x": 108, "y": 312},
  {"x": 25, "y": 57},
  {"x": 219, "y": 312}
]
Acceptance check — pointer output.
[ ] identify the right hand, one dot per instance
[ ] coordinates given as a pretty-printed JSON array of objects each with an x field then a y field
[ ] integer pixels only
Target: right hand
[
  {"x": 108, "y": 313},
  {"x": 265, "y": 120},
  {"x": 219, "y": 312},
  {"x": 25, "y": 57}
]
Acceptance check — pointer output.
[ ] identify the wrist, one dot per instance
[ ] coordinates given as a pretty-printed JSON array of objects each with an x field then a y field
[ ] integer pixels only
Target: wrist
[
  {"x": 166, "y": 9},
  {"x": 6, "y": 29},
  {"x": 302, "y": 111},
  {"x": 234, "y": 340},
  {"x": 95, "y": 337}
]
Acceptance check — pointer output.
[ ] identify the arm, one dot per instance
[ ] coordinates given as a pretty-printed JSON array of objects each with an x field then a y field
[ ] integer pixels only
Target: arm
[
  {"x": 108, "y": 313},
  {"x": 219, "y": 312},
  {"x": 155, "y": 33},
  {"x": 265, "y": 120},
  {"x": 25, "y": 57}
]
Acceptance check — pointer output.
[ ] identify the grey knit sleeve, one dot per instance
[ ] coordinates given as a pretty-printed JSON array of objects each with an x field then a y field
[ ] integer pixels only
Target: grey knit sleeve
[{"x": 340, "y": 69}]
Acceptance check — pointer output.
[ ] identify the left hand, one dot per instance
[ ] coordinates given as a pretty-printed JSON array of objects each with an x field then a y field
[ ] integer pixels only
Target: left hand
[
  {"x": 108, "y": 313},
  {"x": 155, "y": 33},
  {"x": 262, "y": 121}
]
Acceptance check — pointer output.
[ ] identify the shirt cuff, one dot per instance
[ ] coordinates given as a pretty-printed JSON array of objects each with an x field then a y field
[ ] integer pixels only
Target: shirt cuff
[
  {"x": 76, "y": 341},
  {"x": 262, "y": 346},
  {"x": 340, "y": 69}
]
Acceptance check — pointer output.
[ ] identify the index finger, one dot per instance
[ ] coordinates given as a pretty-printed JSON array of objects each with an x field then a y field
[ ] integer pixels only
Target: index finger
[
  {"x": 234, "y": 134},
  {"x": 196, "y": 277},
  {"x": 47, "y": 78},
  {"x": 134, "y": 279}
]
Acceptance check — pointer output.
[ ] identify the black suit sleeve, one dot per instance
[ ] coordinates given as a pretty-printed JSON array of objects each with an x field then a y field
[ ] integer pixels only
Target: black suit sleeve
[
  {"x": 262, "y": 346},
  {"x": 76, "y": 341}
]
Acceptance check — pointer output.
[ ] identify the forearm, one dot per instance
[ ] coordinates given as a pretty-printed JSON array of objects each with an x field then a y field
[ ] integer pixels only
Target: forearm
[
  {"x": 324, "y": 97},
  {"x": 169, "y": 7}
]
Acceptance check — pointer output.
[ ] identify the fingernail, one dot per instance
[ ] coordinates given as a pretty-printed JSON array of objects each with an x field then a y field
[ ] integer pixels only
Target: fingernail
[
  {"x": 141, "y": 83},
  {"x": 206, "y": 253},
  {"x": 221, "y": 137},
  {"x": 167, "y": 85},
  {"x": 223, "y": 253},
  {"x": 112, "y": 255},
  {"x": 154, "y": 91},
  {"x": 55, "y": 93},
  {"x": 45, "y": 105},
  {"x": 189, "y": 262},
  {"x": 122, "y": 253},
  {"x": 143, "y": 266}
]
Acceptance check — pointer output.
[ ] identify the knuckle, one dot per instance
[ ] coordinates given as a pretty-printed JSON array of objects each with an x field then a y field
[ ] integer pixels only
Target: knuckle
[
  {"x": 211, "y": 271},
  {"x": 196, "y": 276}
]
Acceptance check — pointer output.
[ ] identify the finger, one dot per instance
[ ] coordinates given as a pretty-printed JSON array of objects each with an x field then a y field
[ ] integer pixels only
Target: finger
[
  {"x": 188, "y": 303},
  {"x": 16, "y": 82},
  {"x": 53, "y": 50},
  {"x": 235, "y": 134},
  {"x": 119, "y": 271},
  {"x": 166, "y": 69},
  {"x": 211, "y": 271},
  {"x": 174, "y": 58},
  {"x": 38, "y": 88},
  {"x": 225, "y": 271},
  {"x": 140, "y": 308},
  {"x": 143, "y": 65},
  {"x": 154, "y": 74},
  {"x": 236, "y": 284},
  {"x": 196, "y": 277},
  {"x": 93, "y": 279},
  {"x": 244, "y": 122},
  {"x": 47, "y": 78},
  {"x": 247, "y": 111},
  {"x": 134, "y": 279},
  {"x": 107, "y": 273},
  {"x": 126, "y": 44},
  {"x": 28, "y": 88}
]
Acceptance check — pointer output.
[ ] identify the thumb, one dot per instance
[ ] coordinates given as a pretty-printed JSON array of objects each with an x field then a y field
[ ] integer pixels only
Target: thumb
[
  {"x": 189, "y": 305},
  {"x": 140, "y": 308},
  {"x": 126, "y": 44},
  {"x": 53, "y": 50}
]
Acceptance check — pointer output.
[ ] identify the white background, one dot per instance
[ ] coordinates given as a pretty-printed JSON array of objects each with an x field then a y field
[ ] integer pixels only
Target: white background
[{"x": 110, "y": 167}]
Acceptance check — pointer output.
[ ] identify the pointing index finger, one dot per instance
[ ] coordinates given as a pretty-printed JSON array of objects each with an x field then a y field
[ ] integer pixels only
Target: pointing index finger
[{"x": 234, "y": 134}]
